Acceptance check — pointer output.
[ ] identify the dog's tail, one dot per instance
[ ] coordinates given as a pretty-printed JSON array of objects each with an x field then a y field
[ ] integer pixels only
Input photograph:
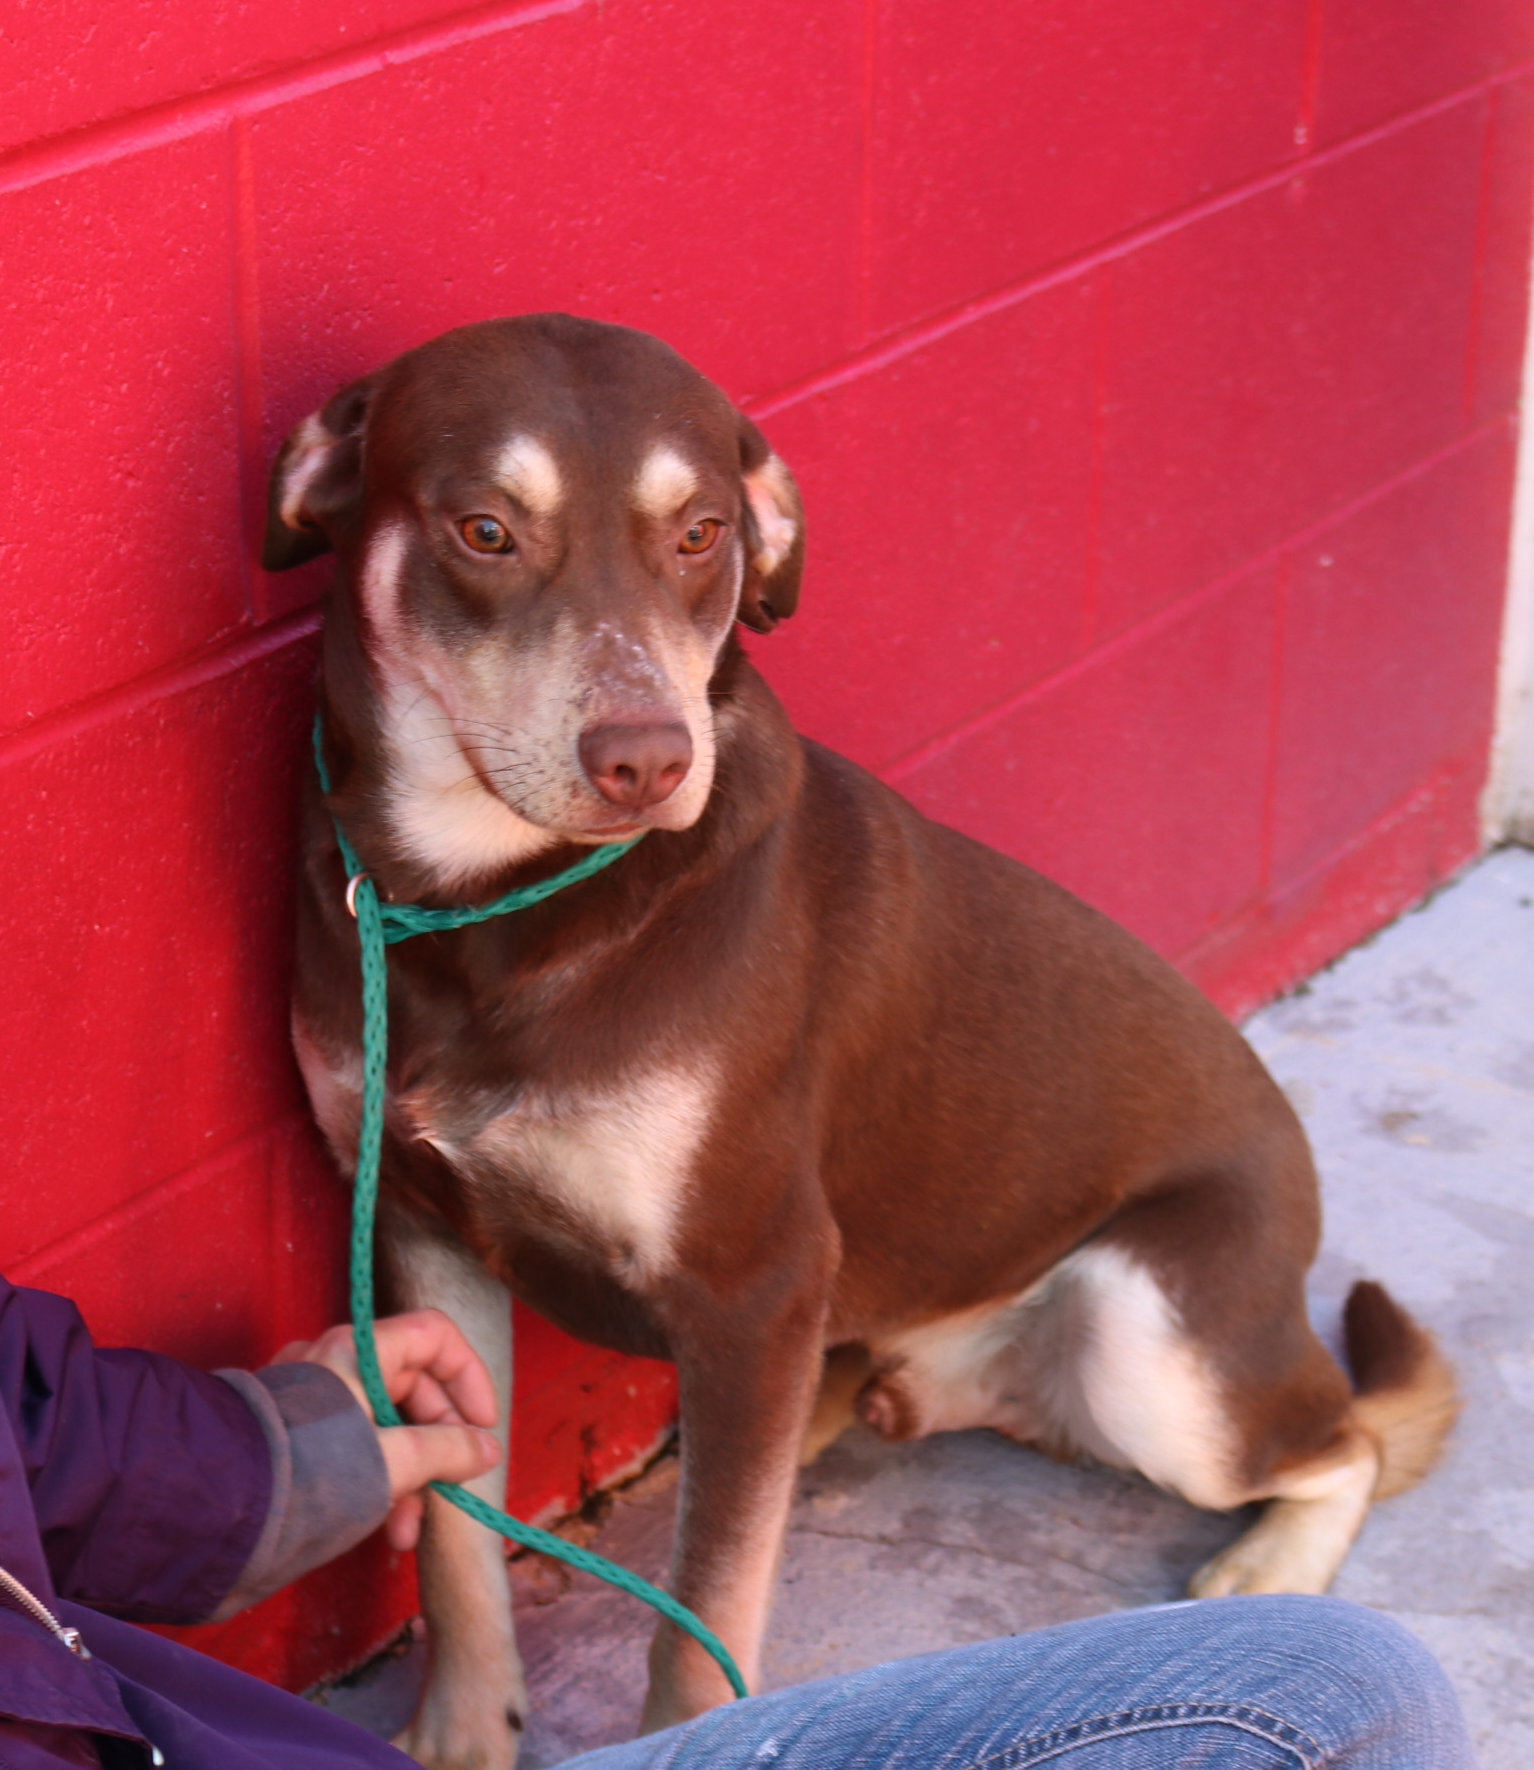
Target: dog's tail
[{"x": 1405, "y": 1393}]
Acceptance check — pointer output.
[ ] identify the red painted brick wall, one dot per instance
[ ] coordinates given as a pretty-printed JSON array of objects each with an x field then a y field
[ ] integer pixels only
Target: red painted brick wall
[{"x": 1149, "y": 372}]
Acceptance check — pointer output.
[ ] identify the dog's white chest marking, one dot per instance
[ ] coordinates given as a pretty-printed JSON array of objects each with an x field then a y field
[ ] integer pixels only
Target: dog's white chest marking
[{"x": 619, "y": 1160}]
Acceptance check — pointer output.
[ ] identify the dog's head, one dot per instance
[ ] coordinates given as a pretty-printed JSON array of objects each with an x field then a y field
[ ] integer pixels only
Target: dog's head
[{"x": 545, "y": 528}]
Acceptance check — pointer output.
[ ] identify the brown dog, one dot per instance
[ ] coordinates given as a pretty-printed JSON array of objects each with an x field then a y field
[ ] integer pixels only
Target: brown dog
[{"x": 804, "y": 1083}]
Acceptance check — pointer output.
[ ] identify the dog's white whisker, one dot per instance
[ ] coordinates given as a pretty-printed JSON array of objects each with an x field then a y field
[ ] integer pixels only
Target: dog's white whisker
[{"x": 442, "y": 814}]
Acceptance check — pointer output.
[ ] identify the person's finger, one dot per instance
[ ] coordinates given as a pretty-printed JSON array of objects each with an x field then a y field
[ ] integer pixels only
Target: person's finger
[
  {"x": 429, "y": 1369},
  {"x": 402, "y": 1527},
  {"x": 414, "y": 1455},
  {"x": 428, "y": 1343},
  {"x": 427, "y": 1403}
]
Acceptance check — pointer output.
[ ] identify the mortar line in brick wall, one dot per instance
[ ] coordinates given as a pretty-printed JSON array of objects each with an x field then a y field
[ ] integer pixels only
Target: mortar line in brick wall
[
  {"x": 1102, "y": 319},
  {"x": 933, "y": 328},
  {"x": 1310, "y": 79},
  {"x": 160, "y": 1192},
  {"x": 868, "y": 79},
  {"x": 1282, "y": 572},
  {"x": 1185, "y": 605},
  {"x": 1478, "y": 261},
  {"x": 222, "y": 658},
  {"x": 1168, "y": 616},
  {"x": 174, "y": 119},
  {"x": 245, "y": 304}
]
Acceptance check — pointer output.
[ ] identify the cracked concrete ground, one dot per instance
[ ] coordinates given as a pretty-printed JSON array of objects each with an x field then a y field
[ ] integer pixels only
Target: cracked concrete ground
[{"x": 1412, "y": 1063}]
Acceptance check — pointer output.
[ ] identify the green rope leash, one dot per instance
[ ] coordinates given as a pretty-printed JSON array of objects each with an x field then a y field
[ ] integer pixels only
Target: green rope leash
[{"x": 380, "y": 925}]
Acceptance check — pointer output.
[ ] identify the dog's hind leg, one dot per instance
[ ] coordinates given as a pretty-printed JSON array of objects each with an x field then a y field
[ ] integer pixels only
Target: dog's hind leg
[
  {"x": 1135, "y": 1388},
  {"x": 1261, "y": 1413},
  {"x": 1305, "y": 1530},
  {"x": 475, "y": 1702},
  {"x": 1404, "y": 1405}
]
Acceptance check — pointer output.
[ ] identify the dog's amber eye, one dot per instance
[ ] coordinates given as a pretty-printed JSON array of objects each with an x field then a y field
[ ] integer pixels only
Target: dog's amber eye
[
  {"x": 700, "y": 537},
  {"x": 485, "y": 535}
]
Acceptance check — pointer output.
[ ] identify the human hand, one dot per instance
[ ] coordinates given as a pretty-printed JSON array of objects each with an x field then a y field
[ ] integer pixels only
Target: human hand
[{"x": 436, "y": 1380}]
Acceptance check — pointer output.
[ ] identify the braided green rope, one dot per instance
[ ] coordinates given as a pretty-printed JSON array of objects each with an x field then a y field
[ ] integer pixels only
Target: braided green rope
[{"x": 380, "y": 925}]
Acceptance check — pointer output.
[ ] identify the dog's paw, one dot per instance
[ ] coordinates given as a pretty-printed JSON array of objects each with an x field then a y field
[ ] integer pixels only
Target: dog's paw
[
  {"x": 1262, "y": 1561},
  {"x": 1225, "y": 1574},
  {"x": 464, "y": 1734}
]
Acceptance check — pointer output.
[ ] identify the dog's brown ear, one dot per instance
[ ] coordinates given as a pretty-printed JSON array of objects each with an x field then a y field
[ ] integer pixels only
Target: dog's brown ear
[
  {"x": 316, "y": 479},
  {"x": 773, "y": 518}
]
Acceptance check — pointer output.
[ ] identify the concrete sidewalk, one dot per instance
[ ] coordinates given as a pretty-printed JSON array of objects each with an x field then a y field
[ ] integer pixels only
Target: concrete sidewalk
[{"x": 1412, "y": 1063}]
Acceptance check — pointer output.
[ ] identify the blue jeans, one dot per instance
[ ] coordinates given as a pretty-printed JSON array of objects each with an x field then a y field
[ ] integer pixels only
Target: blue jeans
[{"x": 1224, "y": 1684}]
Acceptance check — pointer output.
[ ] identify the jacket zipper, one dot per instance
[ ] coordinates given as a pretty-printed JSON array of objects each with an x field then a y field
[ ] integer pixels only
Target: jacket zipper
[
  {"x": 12, "y": 1588},
  {"x": 40, "y": 1613}
]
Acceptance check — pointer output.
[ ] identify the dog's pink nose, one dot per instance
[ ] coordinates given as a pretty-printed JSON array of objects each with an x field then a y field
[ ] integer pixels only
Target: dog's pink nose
[{"x": 636, "y": 765}]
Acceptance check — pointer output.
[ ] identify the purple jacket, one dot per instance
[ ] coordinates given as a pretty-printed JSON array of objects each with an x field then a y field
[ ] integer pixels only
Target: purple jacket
[{"x": 132, "y": 1487}]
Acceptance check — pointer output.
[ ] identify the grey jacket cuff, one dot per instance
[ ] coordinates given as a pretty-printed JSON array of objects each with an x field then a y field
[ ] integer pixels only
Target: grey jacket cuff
[{"x": 329, "y": 1484}]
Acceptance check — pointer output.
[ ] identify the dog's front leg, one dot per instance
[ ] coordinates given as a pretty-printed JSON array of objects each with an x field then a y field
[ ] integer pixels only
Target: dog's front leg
[
  {"x": 747, "y": 1384},
  {"x": 472, "y": 1708}
]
